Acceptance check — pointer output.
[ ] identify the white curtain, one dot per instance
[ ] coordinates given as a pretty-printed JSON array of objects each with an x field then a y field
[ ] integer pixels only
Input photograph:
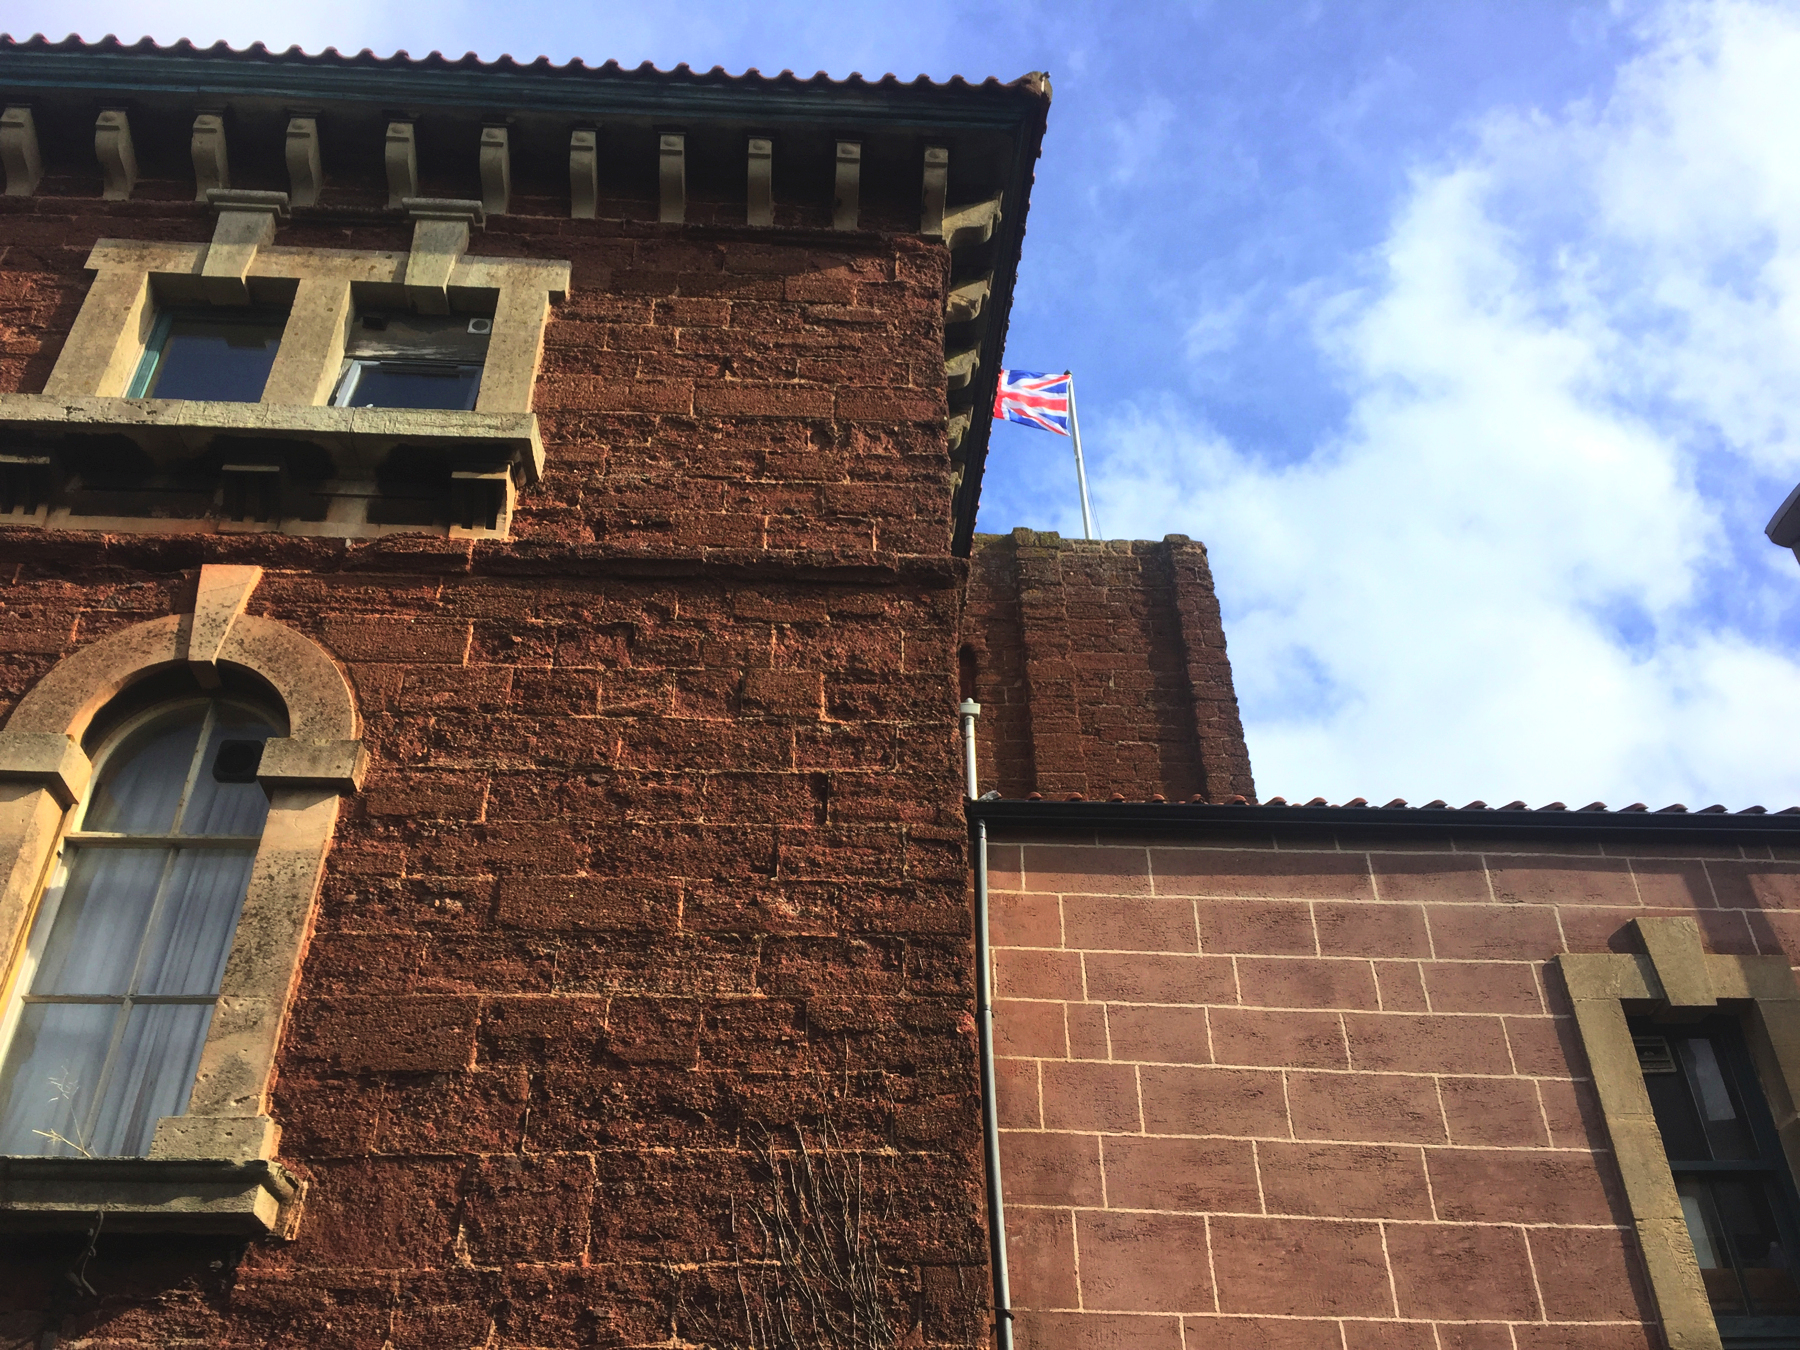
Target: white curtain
[{"x": 100, "y": 1050}]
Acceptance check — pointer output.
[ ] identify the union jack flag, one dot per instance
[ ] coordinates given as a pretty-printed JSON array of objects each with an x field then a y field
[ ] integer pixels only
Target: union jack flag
[{"x": 1034, "y": 399}]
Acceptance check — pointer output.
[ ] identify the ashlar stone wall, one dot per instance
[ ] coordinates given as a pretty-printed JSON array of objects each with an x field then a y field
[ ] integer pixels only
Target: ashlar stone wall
[
  {"x": 660, "y": 854},
  {"x": 1315, "y": 1091}
]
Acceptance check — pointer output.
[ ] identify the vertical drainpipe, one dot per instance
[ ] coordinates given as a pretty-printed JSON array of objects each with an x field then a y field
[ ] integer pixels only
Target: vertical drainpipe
[{"x": 984, "y": 1021}]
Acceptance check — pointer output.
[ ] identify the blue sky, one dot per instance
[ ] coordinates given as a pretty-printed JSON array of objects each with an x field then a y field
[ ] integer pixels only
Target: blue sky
[{"x": 1466, "y": 335}]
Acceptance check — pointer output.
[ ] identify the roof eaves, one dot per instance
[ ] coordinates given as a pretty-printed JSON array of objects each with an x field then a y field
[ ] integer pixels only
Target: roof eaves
[
  {"x": 118, "y": 67},
  {"x": 1636, "y": 822}
]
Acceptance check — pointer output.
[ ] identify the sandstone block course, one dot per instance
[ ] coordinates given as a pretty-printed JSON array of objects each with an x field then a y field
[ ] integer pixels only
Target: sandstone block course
[
  {"x": 1372, "y": 1099},
  {"x": 660, "y": 839}
]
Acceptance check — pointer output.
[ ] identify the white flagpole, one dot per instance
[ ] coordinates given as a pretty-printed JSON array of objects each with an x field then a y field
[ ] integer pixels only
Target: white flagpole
[{"x": 1087, "y": 514}]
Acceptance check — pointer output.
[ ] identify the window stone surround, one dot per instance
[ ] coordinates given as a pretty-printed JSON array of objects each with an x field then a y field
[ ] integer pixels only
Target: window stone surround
[
  {"x": 213, "y": 1168},
  {"x": 85, "y": 392},
  {"x": 1676, "y": 976}
]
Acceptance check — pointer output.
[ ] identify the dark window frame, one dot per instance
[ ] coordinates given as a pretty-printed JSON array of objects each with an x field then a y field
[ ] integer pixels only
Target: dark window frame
[{"x": 1768, "y": 1168}]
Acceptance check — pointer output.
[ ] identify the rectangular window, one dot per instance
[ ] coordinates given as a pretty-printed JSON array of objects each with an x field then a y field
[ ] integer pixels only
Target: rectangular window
[
  {"x": 216, "y": 354},
  {"x": 1736, "y": 1191},
  {"x": 414, "y": 361}
]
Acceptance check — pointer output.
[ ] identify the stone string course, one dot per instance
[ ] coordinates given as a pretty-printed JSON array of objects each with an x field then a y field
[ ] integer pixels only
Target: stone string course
[{"x": 1324, "y": 1096}]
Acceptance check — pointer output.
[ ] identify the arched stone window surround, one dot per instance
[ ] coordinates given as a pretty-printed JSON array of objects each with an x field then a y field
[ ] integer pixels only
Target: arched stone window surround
[{"x": 212, "y": 1168}]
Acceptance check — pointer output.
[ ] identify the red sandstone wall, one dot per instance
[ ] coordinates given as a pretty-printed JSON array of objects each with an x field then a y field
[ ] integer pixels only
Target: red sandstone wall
[
  {"x": 701, "y": 389},
  {"x": 660, "y": 847},
  {"x": 1324, "y": 1097},
  {"x": 1101, "y": 669}
]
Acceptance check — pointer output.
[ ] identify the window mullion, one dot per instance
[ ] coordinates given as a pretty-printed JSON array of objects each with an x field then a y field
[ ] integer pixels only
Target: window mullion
[
  {"x": 157, "y": 905},
  {"x": 120, "y": 1020},
  {"x": 193, "y": 773},
  {"x": 109, "y": 1065}
]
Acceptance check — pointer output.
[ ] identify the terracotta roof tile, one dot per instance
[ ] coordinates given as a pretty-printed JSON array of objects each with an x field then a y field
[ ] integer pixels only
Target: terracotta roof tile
[
  {"x": 1035, "y": 84},
  {"x": 1438, "y": 804}
]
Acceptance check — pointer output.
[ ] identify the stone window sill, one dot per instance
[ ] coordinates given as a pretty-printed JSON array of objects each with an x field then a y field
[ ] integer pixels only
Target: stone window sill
[
  {"x": 350, "y": 472},
  {"x": 254, "y": 1198}
]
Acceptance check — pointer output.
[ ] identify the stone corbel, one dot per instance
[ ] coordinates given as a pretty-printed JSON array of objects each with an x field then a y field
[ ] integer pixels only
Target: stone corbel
[
  {"x": 440, "y": 236},
  {"x": 246, "y": 223},
  {"x": 402, "y": 156},
  {"x": 212, "y": 165},
  {"x": 496, "y": 171},
  {"x": 584, "y": 175},
  {"x": 960, "y": 367},
  {"x": 965, "y": 302},
  {"x": 846, "y": 197},
  {"x": 971, "y": 224},
  {"x": 480, "y": 503},
  {"x": 671, "y": 178},
  {"x": 118, "y": 160},
  {"x": 47, "y": 759},
  {"x": 19, "y": 152},
  {"x": 306, "y": 173},
  {"x": 936, "y": 187},
  {"x": 958, "y": 427},
  {"x": 336, "y": 766},
  {"x": 760, "y": 183}
]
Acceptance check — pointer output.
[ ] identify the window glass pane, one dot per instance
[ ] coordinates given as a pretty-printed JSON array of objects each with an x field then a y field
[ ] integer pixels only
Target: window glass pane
[
  {"x": 210, "y": 357},
  {"x": 1711, "y": 1245},
  {"x": 100, "y": 920},
  {"x": 1726, "y": 1129},
  {"x": 1748, "y": 1225},
  {"x": 142, "y": 782},
  {"x": 152, "y": 1077},
  {"x": 448, "y": 339},
  {"x": 1697, "y": 1212},
  {"x": 227, "y": 808},
  {"x": 52, "y": 1069},
  {"x": 1677, "y": 1117},
  {"x": 201, "y": 902},
  {"x": 390, "y": 385}
]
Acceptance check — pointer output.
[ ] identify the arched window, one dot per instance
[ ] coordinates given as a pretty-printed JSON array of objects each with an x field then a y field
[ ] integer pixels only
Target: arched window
[{"x": 119, "y": 977}]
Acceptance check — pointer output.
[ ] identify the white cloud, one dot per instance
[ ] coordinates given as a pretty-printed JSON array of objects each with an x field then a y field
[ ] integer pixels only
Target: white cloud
[
  {"x": 1139, "y": 139},
  {"x": 1530, "y": 565}
]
